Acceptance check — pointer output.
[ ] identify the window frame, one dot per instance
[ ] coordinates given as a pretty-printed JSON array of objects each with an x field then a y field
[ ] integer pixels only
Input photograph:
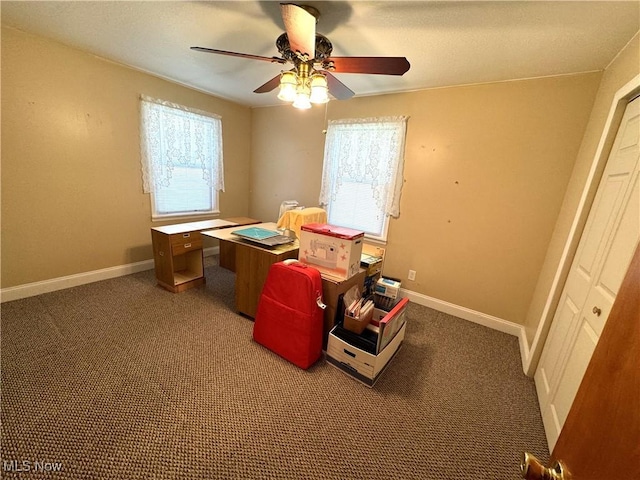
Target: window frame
[
  {"x": 393, "y": 185},
  {"x": 213, "y": 171}
]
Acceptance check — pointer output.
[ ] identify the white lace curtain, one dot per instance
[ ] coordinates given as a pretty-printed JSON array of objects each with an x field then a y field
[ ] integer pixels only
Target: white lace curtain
[
  {"x": 369, "y": 150},
  {"x": 176, "y": 136}
]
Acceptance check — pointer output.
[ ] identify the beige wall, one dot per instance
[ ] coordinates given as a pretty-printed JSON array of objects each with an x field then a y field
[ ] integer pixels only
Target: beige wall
[
  {"x": 286, "y": 158},
  {"x": 624, "y": 68},
  {"x": 486, "y": 171},
  {"x": 72, "y": 196}
]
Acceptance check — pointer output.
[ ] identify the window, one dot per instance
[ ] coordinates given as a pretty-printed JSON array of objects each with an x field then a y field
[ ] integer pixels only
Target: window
[
  {"x": 362, "y": 173},
  {"x": 181, "y": 155}
]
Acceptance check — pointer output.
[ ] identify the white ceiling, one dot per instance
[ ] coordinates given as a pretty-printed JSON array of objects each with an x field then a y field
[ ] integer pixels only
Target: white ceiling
[{"x": 447, "y": 43}]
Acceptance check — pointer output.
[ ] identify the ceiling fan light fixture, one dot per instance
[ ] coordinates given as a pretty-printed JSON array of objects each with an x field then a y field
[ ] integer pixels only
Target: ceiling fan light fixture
[
  {"x": 288, "y": 86},
  {"x": 302, "y": 96},
  {"x": 302, "y": 102},
  {"x": 319, "y": 89}
]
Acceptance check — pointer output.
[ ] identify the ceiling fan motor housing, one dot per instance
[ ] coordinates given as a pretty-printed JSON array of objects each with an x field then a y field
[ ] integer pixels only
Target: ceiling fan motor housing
[{"x": 323, "y": 48}]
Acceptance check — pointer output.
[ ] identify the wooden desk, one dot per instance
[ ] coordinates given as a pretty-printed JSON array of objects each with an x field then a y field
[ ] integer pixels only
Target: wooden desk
[
  {"x": 177, "y": 251},
  {"x": 251, "y": 263}
]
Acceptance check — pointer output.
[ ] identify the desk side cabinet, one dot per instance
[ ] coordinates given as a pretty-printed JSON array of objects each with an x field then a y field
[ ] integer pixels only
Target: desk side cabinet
[{"x": 178, "y": 259}]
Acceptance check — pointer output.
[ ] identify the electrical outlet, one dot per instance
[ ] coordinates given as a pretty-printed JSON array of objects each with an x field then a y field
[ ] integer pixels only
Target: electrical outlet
[{"x": 412, "y": 275}]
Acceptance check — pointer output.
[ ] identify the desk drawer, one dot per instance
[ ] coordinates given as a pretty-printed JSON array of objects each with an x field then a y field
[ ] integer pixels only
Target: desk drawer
[
  {"x": 186, "y": 245},
  {"x": 187, "y": 237}
]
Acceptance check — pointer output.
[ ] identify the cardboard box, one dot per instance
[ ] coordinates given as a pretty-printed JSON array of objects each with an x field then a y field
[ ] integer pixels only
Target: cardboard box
[
  {"x": 335, "y": 251},
  {"x": 331, "y": 291},
  {"x": 357, "y": 325},
  {"x": 366, "y": 356},
  {"x": 387, "y": 287},
  {"x": 361, "y": 365}
]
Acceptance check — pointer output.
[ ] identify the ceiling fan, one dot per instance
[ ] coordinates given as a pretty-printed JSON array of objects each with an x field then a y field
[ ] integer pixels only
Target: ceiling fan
[{"x": 310, "y": 80}]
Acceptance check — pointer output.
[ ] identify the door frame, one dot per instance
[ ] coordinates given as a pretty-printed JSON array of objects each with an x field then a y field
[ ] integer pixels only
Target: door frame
[{"x": 531, "y": 355}]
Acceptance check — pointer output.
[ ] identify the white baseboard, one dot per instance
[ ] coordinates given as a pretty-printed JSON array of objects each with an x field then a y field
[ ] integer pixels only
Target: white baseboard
[
  {"x": 525, "y": 353},
  {"x": 474, "y": 316},
  {"x": 54, "y": 284}
]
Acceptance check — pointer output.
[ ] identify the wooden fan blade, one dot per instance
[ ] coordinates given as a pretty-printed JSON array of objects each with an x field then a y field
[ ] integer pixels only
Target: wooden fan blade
[
  {"x": 301, "y": 29},
  {"x": 336, "y": 88},
  {"x": 242, "y": 55},
  {"x": 268, "y": 86},
  {"x": 374, "y": 65}
]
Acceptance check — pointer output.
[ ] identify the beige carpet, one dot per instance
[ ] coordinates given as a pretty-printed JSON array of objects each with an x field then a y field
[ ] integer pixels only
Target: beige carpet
[{"x": 122, "y": 380}]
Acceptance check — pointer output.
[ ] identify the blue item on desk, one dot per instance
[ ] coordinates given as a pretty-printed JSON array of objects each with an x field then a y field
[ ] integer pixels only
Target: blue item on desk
[{"x": 263, "y": 236}]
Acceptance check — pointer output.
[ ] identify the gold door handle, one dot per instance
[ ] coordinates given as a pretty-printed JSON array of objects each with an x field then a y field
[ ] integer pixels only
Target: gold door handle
[
  {"x": 532, "y": 469},
  {"x": 597, "y": 311}
]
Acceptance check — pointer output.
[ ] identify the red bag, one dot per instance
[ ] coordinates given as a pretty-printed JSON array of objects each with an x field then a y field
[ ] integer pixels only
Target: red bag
[{"x": 289, "y": 320}]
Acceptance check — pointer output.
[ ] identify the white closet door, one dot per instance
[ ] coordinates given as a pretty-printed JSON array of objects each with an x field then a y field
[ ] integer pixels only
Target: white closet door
[{"x": 602, "y": 258}]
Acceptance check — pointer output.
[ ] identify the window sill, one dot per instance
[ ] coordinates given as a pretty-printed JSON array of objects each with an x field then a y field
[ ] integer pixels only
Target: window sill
[
  {"x": 375, "y": 241},
  {"x": 186, "y": 218}
]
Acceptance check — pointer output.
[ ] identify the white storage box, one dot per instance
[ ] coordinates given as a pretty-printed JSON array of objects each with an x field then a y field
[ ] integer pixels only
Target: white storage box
[
  {"x": 356, "y": 354},
  {"x": 335, "y": 251},
  {"x": 362, "y": 365}
]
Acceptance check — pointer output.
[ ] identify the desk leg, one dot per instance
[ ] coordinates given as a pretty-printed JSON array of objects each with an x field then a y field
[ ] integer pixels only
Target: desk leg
[{"x": 227, "y": 257}]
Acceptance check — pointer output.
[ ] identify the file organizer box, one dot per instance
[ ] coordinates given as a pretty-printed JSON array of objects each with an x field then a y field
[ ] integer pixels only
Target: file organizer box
[{"x": 366, "y": 356}]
